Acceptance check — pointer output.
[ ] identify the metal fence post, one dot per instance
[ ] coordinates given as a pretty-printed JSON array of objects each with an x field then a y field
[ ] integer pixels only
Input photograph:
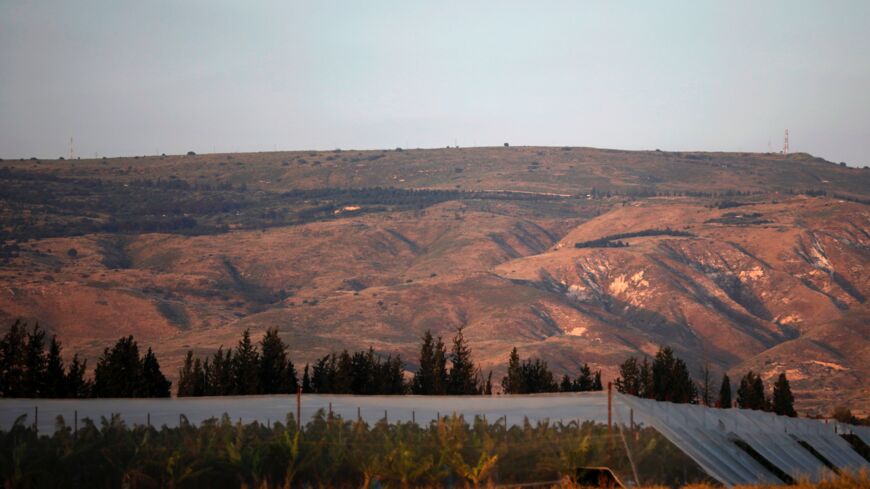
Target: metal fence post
[{"x": 298, "y": 408}]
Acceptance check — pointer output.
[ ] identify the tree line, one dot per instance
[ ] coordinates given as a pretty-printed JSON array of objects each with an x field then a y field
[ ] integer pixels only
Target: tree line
[
  {"x": 613, "y": 240},
  {"x": 667, "y": 378},
  {"x": 441, "y": 372},
  {"x": 27, "y": 369},
  {"x": 268, "y": 369},
  {"x": 244, "y": 370},
  {"x": 532, "y": 376}
]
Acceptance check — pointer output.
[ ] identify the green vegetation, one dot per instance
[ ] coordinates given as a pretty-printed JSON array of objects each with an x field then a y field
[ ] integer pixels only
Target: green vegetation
[
  {"x": 665, "y": 379},
  {"x": 41, "y": 205},
  {"x": 533, "y": 376},
  {"x": 725, "y": 393},
  {"x": 331, "y": 452},
  {"x": 243, "y": 371},
  {"x": 782, "y": 401},
  {"x": 740, "y": 219},
  {"x": 750, "y": 394},
  {"x": 612, "y": 240},
  {"x": 434, "y": 378},
  {"x": 27, "y": 370}
]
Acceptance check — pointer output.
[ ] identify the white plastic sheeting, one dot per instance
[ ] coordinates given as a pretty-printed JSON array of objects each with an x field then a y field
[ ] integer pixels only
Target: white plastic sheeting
[
  {"x": 423, "y": 409},
  {"x": 863, "y": 432},
  {"x": 706, "y": 435}
]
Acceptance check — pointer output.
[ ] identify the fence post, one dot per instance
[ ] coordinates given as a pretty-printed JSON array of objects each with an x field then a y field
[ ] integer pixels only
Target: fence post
[
  {"x": 610, "y": 415},
  {"x": 609, "y": 406},
  {"x": 413, "y": 417},
  {"x": 36, "y": 419},
  {"x": 299, "y": 408},
  {"x": 358, "y": 414},
  {"x": 149, "y": 420},
  {"x": 386, "y": 421},
  {"x": 76, "y": 423}
]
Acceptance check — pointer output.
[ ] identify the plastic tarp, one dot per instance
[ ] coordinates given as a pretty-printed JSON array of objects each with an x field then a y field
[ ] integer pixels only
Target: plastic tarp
[
  {"x": 863, "y": 432},
  {"x": 422, "y": 409},
  {"x": 706, "y": 435}
]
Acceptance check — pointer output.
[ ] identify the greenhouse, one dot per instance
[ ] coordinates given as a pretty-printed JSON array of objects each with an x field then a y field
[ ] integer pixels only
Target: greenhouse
[{"x": 512, "y": 439}]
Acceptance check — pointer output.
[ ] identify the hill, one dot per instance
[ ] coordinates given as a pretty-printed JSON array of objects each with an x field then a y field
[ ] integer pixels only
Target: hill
[{"x": 573, "y": 254}]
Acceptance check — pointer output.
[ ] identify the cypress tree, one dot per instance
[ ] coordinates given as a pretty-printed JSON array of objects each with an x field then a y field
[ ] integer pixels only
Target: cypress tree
[
  {"x": 185, "y": 376},
  {"x": 200, "y": 378},
  {"x": 750, "y": 394},
  {"x": 322, "y": 374},
  {"x": 706, "y": 384},
  {"x": 584, "y": 380},
  {"x": 629, "y": 379},
  {"x": 342, "y": 381},
  {"x": 441, "y": 379},
  {"x": 119, "y": 371},
  {"x": 424, "y": 379},
  {"x": 35, "y": 364},
  {"x": 394, "y": 376},
  {"x": 244, "y": 366},
  {"x": 76, "y": 384},
  {"x": 512, "y": 383},
  {"x": 291, "y": 377},
  {"x": 368, "y": 374},
  {"x": 759, "y": 393},
  {"x": 462, "y": 379},
  {"x": 12, "y": 360},
  {"x": 487, "y": 389},
  {"x": 670, "y": 378},
  {"x": 272, "y": 369},
  {"x": 645, "y": 380},
  {"x": 154, "y": 382},
  {"x": 566, "y": 385},
  {"x": 725, "y": 393},
  {"x": 538, "y": 378},
  {"x": 783, "y": 400},
  {"x": 596, "y": 382},
  {"x": 55, "y": 377},
  {"x": 221, "y": 378}
]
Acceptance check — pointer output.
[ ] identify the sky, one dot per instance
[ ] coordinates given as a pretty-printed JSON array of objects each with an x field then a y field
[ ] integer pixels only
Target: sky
[{"x": 125, "y": 77}]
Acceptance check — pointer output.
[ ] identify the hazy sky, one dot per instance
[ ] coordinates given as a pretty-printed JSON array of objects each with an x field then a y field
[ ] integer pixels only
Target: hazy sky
[{"x": 144, "y": 77}]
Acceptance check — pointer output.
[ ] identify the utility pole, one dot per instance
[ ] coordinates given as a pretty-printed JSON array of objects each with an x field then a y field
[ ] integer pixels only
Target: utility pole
[{"x": 71, "y": 152}]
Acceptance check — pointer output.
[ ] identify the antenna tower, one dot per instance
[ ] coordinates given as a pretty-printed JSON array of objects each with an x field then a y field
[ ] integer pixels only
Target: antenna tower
[{"x": 785, "y": 144}]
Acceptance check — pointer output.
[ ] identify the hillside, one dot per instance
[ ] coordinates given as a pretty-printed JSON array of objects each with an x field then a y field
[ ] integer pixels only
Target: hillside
[{"x": 740, "y": 260}]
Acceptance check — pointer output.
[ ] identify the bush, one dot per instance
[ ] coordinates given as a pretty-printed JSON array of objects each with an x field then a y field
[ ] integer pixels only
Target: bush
[{"x": 72, "y": 252}]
